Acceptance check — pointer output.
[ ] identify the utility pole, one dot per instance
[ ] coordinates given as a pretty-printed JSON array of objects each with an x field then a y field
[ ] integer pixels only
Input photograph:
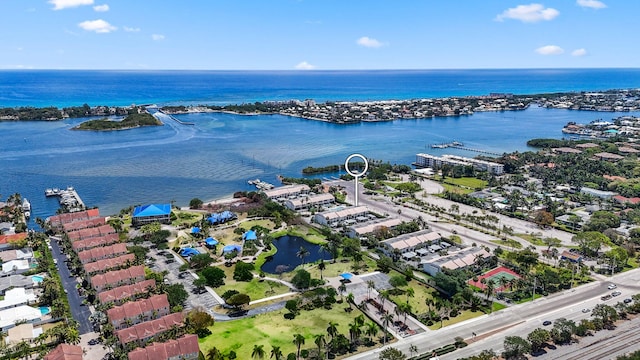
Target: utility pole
[{"x": 533, "y": 295}]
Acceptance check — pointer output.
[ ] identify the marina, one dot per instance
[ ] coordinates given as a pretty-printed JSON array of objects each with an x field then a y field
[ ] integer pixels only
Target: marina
[
  {"x": 261, "y": 185},
  {"x": 68, "y": 198}
]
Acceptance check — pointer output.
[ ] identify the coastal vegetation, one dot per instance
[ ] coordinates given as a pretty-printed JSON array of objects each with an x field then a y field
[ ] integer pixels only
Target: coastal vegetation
[
  {"x": 53, "y": 113},
  {"x": 129, "y": 122}
]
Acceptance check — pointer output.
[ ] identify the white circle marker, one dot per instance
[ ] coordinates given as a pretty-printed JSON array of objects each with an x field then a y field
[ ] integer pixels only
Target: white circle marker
[{"x": 355, "y": 174}]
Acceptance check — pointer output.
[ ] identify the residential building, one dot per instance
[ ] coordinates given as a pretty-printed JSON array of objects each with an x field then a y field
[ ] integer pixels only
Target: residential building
[
  {"x": 83, "y": 224},
  {"x": 335, "y": 217},
  {"x": 136, "y": 312},
  {"x": 89, "y": 233},
  {"x": 86, "y": 244},
  {"x": 310, "y": 201},
  {"x": 457, "y": 260},
  {"x": 183, "y": 348},
  {"x": 105, "y": 265},
  {"x": 436, "y": 162},
  {"x": 104, "y": 252},
  {"x": 57, "y": 221},
  {"x": 409, "y": 242},
  {"x": 65, "y": 352},
  {"x": 598, "y": 193},
  {"x": 117, "y": 278},
  {"x": 148, "y": 330},
  {"x": 126, "y": 292},
  {"x": 287, "y": 191},
  {"x": 359, "y": 230}
]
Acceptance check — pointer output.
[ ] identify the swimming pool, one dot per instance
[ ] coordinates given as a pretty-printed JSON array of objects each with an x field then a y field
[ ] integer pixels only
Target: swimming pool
[
  {"x": 44, "y": 310},
  {"x": 37, "y": 278}
]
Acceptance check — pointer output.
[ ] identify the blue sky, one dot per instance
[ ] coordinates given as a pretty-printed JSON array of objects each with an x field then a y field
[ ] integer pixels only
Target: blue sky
[{"x": 317, "y": 34}]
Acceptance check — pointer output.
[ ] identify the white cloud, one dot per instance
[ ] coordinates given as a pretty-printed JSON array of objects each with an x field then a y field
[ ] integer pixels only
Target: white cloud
[
  {"x": 101, "y": 8},
  {"x": 594, "y": 4},
  {"x": 64, "y": 4},
  {"x": 100, "y": 26},
  {"x": 305, "y": 66},
  {"x": 369, "y": 42},
  {"x": 130, "y": 29},
  {"x": 529, "y": 13},
  {"x": 579, "y": 52},
  {"x": 550, "y": 50},
  {"x": 157, "y": 37}
]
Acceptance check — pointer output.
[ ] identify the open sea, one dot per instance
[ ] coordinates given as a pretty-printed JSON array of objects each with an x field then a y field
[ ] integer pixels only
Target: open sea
[{"x": 214, "y": 158}]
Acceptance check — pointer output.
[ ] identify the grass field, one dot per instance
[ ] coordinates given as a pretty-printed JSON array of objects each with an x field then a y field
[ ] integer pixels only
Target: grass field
[
  {"x": 417, "y": 302},
  {"x": 273, "y": 329},
  {"x": 256, "y": 288},
  {"x": 464, "y": 315},
  {"x": 535, "y": 240},
  {"x": 466, "y": 182}
]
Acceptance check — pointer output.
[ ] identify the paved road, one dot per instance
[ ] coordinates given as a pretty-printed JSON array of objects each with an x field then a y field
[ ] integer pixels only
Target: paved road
[
  {"x": 79, "y": 311},
  {"x": 518, "y": 319}
]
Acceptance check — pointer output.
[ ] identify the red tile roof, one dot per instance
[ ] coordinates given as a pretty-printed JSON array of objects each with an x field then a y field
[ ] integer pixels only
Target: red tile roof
[
  {"x": 90, "y": 232},
  {"x": 65, "y": 352},
  {"x": 108, "y": 264},
  {"x": 149, "y": 329},
  {"x": 126, "y": 291},
  {"x": 61, "y": 219},
  {"x": 104, "y": 252},
  {"x": 95, "y": 242},
  {"x": 184, "y": 346},
  {"x": 83, "y": 224},
  {"x": 131, "y": 309},
  {"x": 5, "y": 239},
  {"x": 118, "y": 277}
]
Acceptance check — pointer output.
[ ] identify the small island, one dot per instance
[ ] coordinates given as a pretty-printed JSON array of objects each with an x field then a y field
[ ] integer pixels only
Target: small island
[{"x": 130, "y": 122}]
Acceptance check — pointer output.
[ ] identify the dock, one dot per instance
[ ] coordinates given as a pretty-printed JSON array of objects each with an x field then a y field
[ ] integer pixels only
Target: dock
[
  {"x": 459, "y": 145},
  {"x": 261, "y": 185},
  {"x": 446, "y": 145},
  {"x": 68, "y": 198}
]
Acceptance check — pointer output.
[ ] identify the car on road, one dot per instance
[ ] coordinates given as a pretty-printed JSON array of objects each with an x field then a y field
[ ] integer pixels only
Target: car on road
[
  {"x": 93, "y": 342},
  {"x": 586, "y": 310},
  {"x": 627, "y": 300},
  {"x": 616, "y": 293},
  {"x": 546, "y": 323},
  {"x": 612, "y": 286},
  {"x": 606, "y": 297}
]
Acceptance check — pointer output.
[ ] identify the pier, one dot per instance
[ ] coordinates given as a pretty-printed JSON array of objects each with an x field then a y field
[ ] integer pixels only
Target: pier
[
  {"x": 68, "y": 198},
  {"x": 446, "y": 145},
  {"x": 476, "y": 150}
]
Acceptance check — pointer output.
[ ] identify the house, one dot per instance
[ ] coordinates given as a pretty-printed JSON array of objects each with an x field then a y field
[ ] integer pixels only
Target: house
[
  {"x": 116, "y": 278},
  {"x": 22, "y": 332},
  {"x": 608, "y": 156},
  {"x": 287, "y": 191},
  {"x": 57, "y": 222},
  {"x": 310, "y": 201},
  {"x": 15, "y": 266},
  {"x": 148, "y": 214},
  {"x": 16, "y": 297},
  {"x": 105, "y": 265},
  {"x": 358, "y": 231},
  {"x": 335, "y": 217},
  {"x": 65, "y": 352},
  {"x": 104, "y": 252},
  {"x": 453, "y": 261},
  {"x": 22, "y": 313},
  {"x": 125, "y": 292},
  {"x": 7, "y": 241},
  {"x": 409, "y": 242},
  {"x": 86, "y": 244},
  {"x": 136, "y": 312},
  {"x": 148, "y": 330},
  {"x": 573, "y": 257},
  {"x": 183, "y": 348}
]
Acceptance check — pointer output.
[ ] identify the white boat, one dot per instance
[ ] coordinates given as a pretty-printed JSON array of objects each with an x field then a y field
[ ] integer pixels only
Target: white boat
[
  {"x": 26, "y": 205},
  {"x": 27, "y": 214}
]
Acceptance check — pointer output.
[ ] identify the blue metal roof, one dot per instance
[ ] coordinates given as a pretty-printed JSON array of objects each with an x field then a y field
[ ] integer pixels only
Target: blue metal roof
[
  {"x": 250, "y": 235},
  {"x": 152, "y": 210},
  {"x": 230, "y": 248},
  {"x": 211, "y": 241}
]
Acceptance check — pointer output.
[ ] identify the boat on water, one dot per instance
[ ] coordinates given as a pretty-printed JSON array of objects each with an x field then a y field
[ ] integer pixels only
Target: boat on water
[
  {"x": 27, "y": 214},
  {"x": 52, "y": 192},
  {"x": 26, "y": 205}
]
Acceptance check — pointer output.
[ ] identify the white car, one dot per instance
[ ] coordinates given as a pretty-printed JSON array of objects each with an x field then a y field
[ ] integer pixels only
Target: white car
[{"x": 612, "y": 286}]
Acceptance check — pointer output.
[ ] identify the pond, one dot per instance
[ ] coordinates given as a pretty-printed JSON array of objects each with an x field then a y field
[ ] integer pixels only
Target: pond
[{"x": 286, "y": 258}]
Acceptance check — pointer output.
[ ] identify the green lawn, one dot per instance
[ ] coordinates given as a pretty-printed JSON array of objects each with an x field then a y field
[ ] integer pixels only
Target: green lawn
[
  {"x": 464, "y": 315},
  {"x": 509, "y": 243},
  {"x": 455, "y": 189},
  {"x": 466, "y": 182},
  {"x": 417, "y": 302},
  {"x": 342, "y": 265},
  {"x": 273, "y": 329},
  {"x": 308, "y": 233},
  {"x": 532, "y": 239},
  {"x": 256, "y": 288}
]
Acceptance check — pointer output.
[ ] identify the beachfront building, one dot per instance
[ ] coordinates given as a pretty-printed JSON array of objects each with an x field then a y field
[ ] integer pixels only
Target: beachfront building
[
  {"x": 436, "y": 162},
  {"x": 282, "y": 193},
  {"x": 348, "y": 216},
  {"x": 310, "y": 201},
  {"x": 148, "y": 214},
  {"x": 458, "y": 260},
  {"x": 360, "y": 230},
  {"x": 406, "y": 244},
  {"x": 183, "y": 348}
]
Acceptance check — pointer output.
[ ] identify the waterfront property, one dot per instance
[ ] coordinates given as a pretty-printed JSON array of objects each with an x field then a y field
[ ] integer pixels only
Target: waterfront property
[
  {"x": 288, "y": 191},
  {"x": 185, "y": 347},
  {"x": 436, "y": 162},
  {"x": 359, "y": 230},
  {"x": 349, "y": 216},
  {"x": 310, "y": 201},
  {"x": 147, "y": 214}
]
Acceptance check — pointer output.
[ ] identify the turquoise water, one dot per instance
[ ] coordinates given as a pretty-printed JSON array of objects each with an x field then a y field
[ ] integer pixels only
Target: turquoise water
[
  {"x": 44, "y": 310},
  {"x": 216, "y": 156},
  {"x": 37, "y": 278}
]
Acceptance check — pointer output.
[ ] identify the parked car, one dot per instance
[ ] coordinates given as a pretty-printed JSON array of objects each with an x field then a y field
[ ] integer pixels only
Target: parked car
[
  {"x": 606, "y": 297},
  {"x": 586, "y": 310},
  {"x": 616, "y": 293},
  {"x": 627, "y": 300},
  {"x": 546, "y": 323},
  {"x": 612, "y": 286}
]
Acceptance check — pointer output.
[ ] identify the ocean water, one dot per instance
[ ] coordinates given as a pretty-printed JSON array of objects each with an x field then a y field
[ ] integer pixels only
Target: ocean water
[{"x": 217, "y": 155}]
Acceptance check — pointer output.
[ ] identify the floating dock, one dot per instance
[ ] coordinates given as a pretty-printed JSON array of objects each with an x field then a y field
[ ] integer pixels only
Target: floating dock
[{"x": 68, "y": 198}]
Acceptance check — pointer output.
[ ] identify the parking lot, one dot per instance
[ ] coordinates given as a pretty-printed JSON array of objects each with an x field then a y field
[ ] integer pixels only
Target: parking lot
[{"x": 162, "y": 260}]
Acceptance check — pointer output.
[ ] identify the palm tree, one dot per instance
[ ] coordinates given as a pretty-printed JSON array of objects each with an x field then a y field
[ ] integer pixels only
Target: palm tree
[
  {"x": 214, "y": 354},
  {"x": 298, "y": 340},
  {"x": 410, "y": 293},
  {"x": 429, "y": 302},
  {"x": 258, "y": 352},
  {"x": 371, "y": 330},
  {"x": 354, "y": 332},
  {"x": 341, "y": 289},
  {"x": 370, "y": 285},
  {"x": 276, "y": 352},
  {"x": 386, "y": 319},
  {"x": 302, "y": 254},
  {"x": 320, "y": 343},
  {"x": 332, "y": 329},
  {"x": 413, "y": 349},
  {"x": 321, "y": 267},
  {"x": 350, "y": 300}
]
